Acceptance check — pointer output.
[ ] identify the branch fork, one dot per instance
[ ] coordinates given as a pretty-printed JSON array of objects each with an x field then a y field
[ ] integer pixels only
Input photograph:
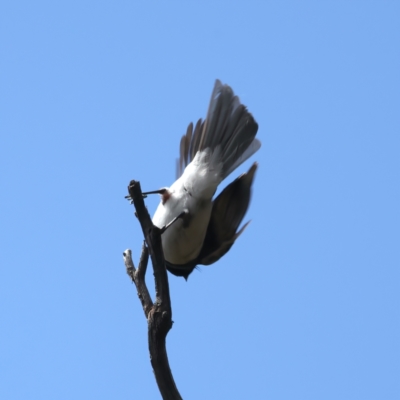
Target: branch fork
[{"x": 159, "y": 312}]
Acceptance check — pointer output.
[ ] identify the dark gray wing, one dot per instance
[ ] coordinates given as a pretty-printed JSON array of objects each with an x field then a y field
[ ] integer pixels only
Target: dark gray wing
[{"x": 229, "y": 209}]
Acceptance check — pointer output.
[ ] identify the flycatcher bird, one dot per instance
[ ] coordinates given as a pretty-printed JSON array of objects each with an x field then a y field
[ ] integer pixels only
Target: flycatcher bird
[{"x": 203, "y": 229}]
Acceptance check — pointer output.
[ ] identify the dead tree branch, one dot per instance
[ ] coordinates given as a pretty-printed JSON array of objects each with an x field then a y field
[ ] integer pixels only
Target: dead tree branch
[{"x": 159, "y": 313}]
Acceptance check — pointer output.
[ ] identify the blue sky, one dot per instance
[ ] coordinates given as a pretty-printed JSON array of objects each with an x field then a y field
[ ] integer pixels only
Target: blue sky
[{"x": 306, "y": 303}]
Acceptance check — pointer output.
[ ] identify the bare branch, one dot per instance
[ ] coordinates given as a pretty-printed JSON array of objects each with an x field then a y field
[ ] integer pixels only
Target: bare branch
[
  {"x": 137, "y": 277},
  {"x": 158, "y": 314},
  {"x": 130, "y": 268}
]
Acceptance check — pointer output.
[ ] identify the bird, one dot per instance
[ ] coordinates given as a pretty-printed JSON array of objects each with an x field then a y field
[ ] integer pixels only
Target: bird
[{"x": 197, "y": 229}]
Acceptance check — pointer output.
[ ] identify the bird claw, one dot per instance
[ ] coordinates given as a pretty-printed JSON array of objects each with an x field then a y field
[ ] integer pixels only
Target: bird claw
[{"x": 129, "y": 198}]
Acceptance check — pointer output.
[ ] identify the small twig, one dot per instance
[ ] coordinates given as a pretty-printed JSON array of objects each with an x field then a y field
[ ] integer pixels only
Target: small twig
[
  {"x": 159, "y": 313},
  {"x": 138, "y": 277},
  {"x": 130, "y": 268}
]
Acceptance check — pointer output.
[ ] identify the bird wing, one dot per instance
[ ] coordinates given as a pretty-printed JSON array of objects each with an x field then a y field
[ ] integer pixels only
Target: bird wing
[{"x": 227, "y": 213}]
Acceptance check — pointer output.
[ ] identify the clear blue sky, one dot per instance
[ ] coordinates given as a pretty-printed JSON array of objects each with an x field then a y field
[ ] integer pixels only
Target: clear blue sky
[{"x": 306, "y": 303}]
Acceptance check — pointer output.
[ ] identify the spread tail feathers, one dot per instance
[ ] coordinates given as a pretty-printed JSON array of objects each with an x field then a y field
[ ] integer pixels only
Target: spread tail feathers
[{"x": 228, "y": 129}]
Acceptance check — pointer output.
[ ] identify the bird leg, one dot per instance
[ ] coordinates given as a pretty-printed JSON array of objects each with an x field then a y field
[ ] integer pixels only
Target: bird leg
[
  {"x": 184, "y": 214},
  {"x": 159, "y": 191}
]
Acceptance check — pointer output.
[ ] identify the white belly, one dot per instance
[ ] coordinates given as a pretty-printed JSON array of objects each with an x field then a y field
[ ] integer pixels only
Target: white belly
[{"x": 183, "y": 241}]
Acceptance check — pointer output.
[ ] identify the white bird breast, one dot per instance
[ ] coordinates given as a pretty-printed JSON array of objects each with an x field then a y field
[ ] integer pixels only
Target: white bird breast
[{"x": 182, "y": 241}]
